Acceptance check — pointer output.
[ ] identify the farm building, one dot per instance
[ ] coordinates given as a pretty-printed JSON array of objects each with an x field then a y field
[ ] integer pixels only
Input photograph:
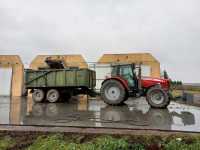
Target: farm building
[
  {"x": 69, "y": 61},
  {"x": 12, "y": 68},
  {"x": 11, "y": 75},
  {"x": 150, "y": 65}
]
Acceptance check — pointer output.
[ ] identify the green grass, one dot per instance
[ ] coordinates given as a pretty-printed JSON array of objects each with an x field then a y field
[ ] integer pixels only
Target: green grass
[
  {"x": 181, "y": 145},
  {"x": 178, "y": 93},
  {"x": 188, "y": 88},
  {"x": 48, "y": 142},
  {"x": 109, "y": 143},
  {"x": 101, "y": 143},
  {"x": 80, "y": 142},
  {"x": 6, "y": 142}
]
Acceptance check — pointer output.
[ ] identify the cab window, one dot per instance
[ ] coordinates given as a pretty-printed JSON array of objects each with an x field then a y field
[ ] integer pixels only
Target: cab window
[
  {"x": 114, "y": 71},
  {"x": 127, "y": 73},
  {"x": 126, "y": 70}
]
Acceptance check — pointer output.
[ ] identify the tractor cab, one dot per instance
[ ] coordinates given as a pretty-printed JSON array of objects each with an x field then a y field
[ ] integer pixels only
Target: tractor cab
[{"x": 127, "y": 72}]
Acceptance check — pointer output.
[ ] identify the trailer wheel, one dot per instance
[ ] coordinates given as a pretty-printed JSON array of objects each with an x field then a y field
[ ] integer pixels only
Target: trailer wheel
[
  {"x": 157, "y": 98},
  {"x": 113, "y": 92},
  {"x": 38, "y": 95},
  {"x": 53, "y": 95}
]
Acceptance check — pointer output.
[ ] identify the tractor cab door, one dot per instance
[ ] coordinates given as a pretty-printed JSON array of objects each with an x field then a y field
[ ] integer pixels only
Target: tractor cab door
[{"x": 126, "y": 72}]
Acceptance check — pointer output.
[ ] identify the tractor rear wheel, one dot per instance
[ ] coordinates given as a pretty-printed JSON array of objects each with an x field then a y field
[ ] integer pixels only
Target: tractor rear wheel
[
  {"x": 38, "y": 95},
  {"x": 157, "y": 97},
  {"x": 53, "y": 95},
  {"x": 113, "y": 92}
]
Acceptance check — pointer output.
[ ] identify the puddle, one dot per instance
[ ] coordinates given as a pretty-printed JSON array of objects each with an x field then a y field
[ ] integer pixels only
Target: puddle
[{"x": 94, "y": 113}]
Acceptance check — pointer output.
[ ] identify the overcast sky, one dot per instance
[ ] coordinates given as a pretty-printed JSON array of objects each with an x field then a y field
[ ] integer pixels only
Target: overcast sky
[{"x": 169, "y": 29}]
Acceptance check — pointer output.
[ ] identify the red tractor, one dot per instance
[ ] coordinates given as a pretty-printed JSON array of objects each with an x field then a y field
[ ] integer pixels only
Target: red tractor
[{"x": 124, "y": 83}]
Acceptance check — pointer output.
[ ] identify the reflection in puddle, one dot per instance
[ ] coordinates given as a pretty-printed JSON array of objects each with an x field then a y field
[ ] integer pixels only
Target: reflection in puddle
[{"x": 79, "y": 111}]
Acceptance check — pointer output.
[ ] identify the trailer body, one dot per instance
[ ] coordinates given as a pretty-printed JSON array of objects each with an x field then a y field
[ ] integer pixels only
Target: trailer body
[
  {"x": 70, "y": 81},
  {"x": 60, "y": 78}
]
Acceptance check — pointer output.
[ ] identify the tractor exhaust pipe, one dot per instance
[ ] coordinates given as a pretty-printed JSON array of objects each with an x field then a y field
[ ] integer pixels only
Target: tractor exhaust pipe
[{"x": 139, "y": 78}]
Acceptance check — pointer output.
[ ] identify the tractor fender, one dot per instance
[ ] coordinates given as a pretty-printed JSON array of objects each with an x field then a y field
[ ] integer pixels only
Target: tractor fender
[
  {"x": 123, "y": 82},
  {"x": 152, "y": 86}
]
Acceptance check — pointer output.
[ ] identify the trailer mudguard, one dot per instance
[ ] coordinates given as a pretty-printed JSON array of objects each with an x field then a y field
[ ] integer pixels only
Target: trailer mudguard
[{"x": 122, "y": 81}]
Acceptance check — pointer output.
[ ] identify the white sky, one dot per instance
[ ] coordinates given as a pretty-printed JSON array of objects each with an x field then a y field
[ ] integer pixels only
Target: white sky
[{"x": 170, "y": 30}]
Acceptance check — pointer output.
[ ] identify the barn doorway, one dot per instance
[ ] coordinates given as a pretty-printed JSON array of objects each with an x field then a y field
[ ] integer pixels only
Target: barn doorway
[{"x": 5, "y": 81}]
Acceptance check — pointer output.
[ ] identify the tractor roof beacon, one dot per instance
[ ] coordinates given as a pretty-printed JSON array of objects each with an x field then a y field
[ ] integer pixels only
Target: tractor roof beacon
[{"x": 126, "y": 81}]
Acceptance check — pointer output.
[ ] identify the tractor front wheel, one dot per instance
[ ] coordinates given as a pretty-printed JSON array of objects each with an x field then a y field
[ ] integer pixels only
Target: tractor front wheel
[
  {"x": 157, "y": 97},
  {"x": 113, "y": 92}
]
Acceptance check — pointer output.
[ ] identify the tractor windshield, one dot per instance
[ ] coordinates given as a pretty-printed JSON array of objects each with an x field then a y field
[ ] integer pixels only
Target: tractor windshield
[{"x": 126, "y": 72}]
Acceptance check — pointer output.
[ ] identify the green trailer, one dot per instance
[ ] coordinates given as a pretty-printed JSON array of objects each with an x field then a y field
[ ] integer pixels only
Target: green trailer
[{"x": 51, "y": 84}]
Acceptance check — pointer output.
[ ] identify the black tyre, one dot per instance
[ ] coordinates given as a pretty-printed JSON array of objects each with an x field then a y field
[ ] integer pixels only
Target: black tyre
[
  {"x": 53, "y": 95},
  {"x": 157, "y": 98},
  {"x": 38, "y": 95},
  {"x": 113, "y": 92},
  {"x": 126, "y": 97}
]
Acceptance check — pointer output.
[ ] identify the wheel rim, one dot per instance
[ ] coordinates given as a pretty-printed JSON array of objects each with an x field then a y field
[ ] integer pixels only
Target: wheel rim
[
  {"x": 38, "y": 95},
  {"x": 157, "y": 97},
  {"x": 52, "y": 96},
  {"x": 112, "y": 93}
]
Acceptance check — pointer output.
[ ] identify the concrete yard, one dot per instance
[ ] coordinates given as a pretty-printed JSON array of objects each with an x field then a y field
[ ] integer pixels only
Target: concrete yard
[{"x": 83, "y": 112}]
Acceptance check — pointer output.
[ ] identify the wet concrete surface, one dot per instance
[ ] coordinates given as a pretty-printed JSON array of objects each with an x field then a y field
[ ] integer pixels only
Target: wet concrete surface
[{"x": 83, "y": 112}]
